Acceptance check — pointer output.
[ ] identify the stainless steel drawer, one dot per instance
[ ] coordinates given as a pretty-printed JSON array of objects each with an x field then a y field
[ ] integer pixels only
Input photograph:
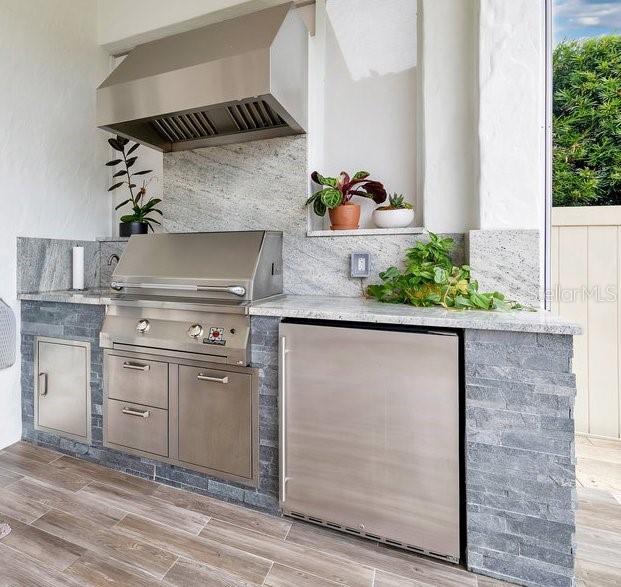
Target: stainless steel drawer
[
  {"x": 138, "y": 427},
  {"x": 215, "y": 420},
  {"x": 137, "y": 380}
]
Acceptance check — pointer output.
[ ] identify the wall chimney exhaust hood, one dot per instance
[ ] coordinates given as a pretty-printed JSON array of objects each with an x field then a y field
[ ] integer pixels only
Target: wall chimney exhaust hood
[{"x": 239, "y": 80}]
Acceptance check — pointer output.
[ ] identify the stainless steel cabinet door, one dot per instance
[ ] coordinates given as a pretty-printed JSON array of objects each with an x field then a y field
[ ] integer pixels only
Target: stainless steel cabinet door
[
  {"x": 215, "y": 420},
  {"x": 62, "y": 387},
  {"x": 370, "y": 432}
]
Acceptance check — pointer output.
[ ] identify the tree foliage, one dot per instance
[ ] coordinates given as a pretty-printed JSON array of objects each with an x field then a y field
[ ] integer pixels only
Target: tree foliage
[{"x": 587, "y": 122}]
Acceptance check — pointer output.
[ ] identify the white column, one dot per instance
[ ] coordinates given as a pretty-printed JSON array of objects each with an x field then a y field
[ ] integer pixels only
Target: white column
[
  {"x": 448, "y": 153},
  {"x": 512, "y": 114}
]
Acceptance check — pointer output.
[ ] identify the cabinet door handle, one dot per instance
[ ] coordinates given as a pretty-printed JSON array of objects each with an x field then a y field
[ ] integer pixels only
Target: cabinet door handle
[
  {"x": 203, "y": 377},
  {"x": 137, "y": 413},
  {"x": 43, "y": 386},
  {"x": 136, "y": 366}
]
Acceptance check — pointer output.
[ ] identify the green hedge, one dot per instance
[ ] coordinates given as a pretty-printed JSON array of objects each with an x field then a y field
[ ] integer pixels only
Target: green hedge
[{"x": 587, "y": 122}]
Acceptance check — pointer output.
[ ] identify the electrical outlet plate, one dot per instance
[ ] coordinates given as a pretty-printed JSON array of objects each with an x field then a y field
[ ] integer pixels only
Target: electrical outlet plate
[{"x": 360, "y": 264}]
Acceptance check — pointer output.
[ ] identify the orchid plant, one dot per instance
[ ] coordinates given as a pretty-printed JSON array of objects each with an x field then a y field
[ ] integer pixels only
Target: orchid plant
[
  {"x": 142, "y": 208},
  {"x": 337, "y": 191}
]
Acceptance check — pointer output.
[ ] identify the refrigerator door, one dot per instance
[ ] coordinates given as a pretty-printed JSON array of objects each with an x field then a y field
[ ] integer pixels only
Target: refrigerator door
[{"x": 369, "y": 429}]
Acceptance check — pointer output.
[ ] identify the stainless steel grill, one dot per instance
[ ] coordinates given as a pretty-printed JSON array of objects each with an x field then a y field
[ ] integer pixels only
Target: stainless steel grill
[{"x": 188, "y": 294}]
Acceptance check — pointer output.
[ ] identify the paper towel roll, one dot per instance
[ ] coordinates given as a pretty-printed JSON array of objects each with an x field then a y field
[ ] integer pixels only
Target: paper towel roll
[{"x": 78, "y": 267}]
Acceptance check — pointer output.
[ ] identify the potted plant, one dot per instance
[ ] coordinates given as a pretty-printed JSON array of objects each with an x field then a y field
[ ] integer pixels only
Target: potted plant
[
  {"x": 336, "y": 196},
  {"x": 141, "y": 219},
  {"x": 398, "y": 213}
]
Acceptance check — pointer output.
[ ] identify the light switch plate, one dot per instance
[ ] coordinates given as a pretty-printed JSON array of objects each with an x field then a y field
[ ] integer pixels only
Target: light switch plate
[{"x": 360, "y": 264}]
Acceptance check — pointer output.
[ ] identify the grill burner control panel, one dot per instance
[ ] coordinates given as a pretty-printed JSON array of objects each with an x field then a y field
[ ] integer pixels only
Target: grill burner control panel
[
  {"x": 213, "y": 334},
  {"x": 216, "y": 333}
]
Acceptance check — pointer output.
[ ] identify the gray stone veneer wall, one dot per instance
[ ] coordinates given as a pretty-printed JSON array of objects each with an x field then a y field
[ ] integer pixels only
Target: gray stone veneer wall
[
  {"x": 520, "y": 467},
  {"x": 83, "y": 322}
]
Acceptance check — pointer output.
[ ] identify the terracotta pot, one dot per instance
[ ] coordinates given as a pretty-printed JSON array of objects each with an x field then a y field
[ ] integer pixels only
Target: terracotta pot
[{"x": 345, "y": 216}]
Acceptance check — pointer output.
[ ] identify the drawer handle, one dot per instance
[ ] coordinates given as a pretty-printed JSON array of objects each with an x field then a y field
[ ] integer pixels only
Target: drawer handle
[
  {"x": 43, "y": 386},
  {"x": 136, "y": 366},
  {"x": 137, "y": 413},
  {"x": 203, "y": 377}
]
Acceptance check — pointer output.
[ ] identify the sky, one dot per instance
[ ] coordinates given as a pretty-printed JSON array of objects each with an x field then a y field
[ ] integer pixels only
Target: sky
[{"x": 577, "y": 19}]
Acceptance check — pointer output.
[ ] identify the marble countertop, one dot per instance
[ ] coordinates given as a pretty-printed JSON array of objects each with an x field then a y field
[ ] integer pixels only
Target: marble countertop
[
  {"x": 87, "y": 296},
  {"x": 362, "y": 310}
]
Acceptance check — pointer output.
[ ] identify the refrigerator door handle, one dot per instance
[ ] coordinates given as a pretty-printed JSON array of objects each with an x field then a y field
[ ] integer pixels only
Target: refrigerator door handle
[{"x": 283, "y": 419}]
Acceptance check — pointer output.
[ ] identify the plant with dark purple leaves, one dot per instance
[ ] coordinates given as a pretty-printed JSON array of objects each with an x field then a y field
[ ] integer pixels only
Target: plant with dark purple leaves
[{"x": 337, "y": 191}]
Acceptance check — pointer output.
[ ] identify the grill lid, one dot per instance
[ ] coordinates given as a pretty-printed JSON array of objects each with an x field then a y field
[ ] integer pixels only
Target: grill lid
[
  {"x": 239, "y": 266},
  {"x": 238, "y": 80}
]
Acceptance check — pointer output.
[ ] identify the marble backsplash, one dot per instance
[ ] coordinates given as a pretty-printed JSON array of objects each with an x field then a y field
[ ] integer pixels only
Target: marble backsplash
[
  {"x": 260, "y": 185},
  {"x": 45, "y": 264},
  {"x": 507, "y": 261},
  {"x": 108, "y": 264},
  {"x": 263, "y": 185}
]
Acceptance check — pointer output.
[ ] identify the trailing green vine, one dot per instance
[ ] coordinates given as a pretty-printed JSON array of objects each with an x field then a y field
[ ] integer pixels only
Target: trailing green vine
[{"x": 430, "y": 279}]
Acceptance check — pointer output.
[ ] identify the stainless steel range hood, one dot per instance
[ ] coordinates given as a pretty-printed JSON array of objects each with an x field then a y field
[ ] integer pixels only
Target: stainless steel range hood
[{"x": 239, "y": 80}]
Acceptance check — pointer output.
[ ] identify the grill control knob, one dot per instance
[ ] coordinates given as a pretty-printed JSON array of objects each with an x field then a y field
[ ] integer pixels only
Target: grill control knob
[
  {"x": 143, "y": 326},
  {"x": 195, "y": 331}
]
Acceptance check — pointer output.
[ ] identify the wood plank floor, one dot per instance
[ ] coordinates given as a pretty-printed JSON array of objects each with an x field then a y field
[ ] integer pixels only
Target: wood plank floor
[
  {"x": 598, "y": 521},
  {"x": 75, "y": 523}
]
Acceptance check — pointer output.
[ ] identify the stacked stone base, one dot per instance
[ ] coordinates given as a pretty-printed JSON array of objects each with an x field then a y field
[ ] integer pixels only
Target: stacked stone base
[
  {"x": 520, "y": 466},
  {"x": 519, "y": 445},
  {"x": 83, "y": 322}
]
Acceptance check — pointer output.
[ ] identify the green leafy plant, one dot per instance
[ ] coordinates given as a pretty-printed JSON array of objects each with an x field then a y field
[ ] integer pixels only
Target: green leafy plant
[
  {"x": 396, "y": 202},
  {"x": 587, "y": 122},
  {"x": 142, "y": 208},
  {"x": 430, "y": 279},
  {"x": 340, "y": 190}
]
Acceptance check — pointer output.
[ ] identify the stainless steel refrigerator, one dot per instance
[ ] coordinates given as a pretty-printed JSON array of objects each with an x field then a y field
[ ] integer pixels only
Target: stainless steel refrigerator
[{"x": 370, "y": 433}]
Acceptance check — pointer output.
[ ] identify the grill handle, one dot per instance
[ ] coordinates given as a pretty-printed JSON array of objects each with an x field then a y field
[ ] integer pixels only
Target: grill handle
[
  {"x": 136, "y": 367},
  {"x": 136, "y": 413},
  {"x": 203, "y": 377},
  {"x": 236, "y": 290}
]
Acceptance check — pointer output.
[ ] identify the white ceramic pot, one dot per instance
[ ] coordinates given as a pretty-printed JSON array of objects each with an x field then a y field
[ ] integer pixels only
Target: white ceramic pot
[{"x": 400, "y": 218}]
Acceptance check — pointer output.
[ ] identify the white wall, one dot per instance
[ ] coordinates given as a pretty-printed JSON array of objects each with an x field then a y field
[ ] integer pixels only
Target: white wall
[
  {"x": 448, "y": 132},
  {"x": 512, "y": 114},
  {"x": 52, "y": 178},
  {"x": 122, "y": 25},
  {"x": 478, "y": 110},
  {"x": 363, "y": 94}
]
